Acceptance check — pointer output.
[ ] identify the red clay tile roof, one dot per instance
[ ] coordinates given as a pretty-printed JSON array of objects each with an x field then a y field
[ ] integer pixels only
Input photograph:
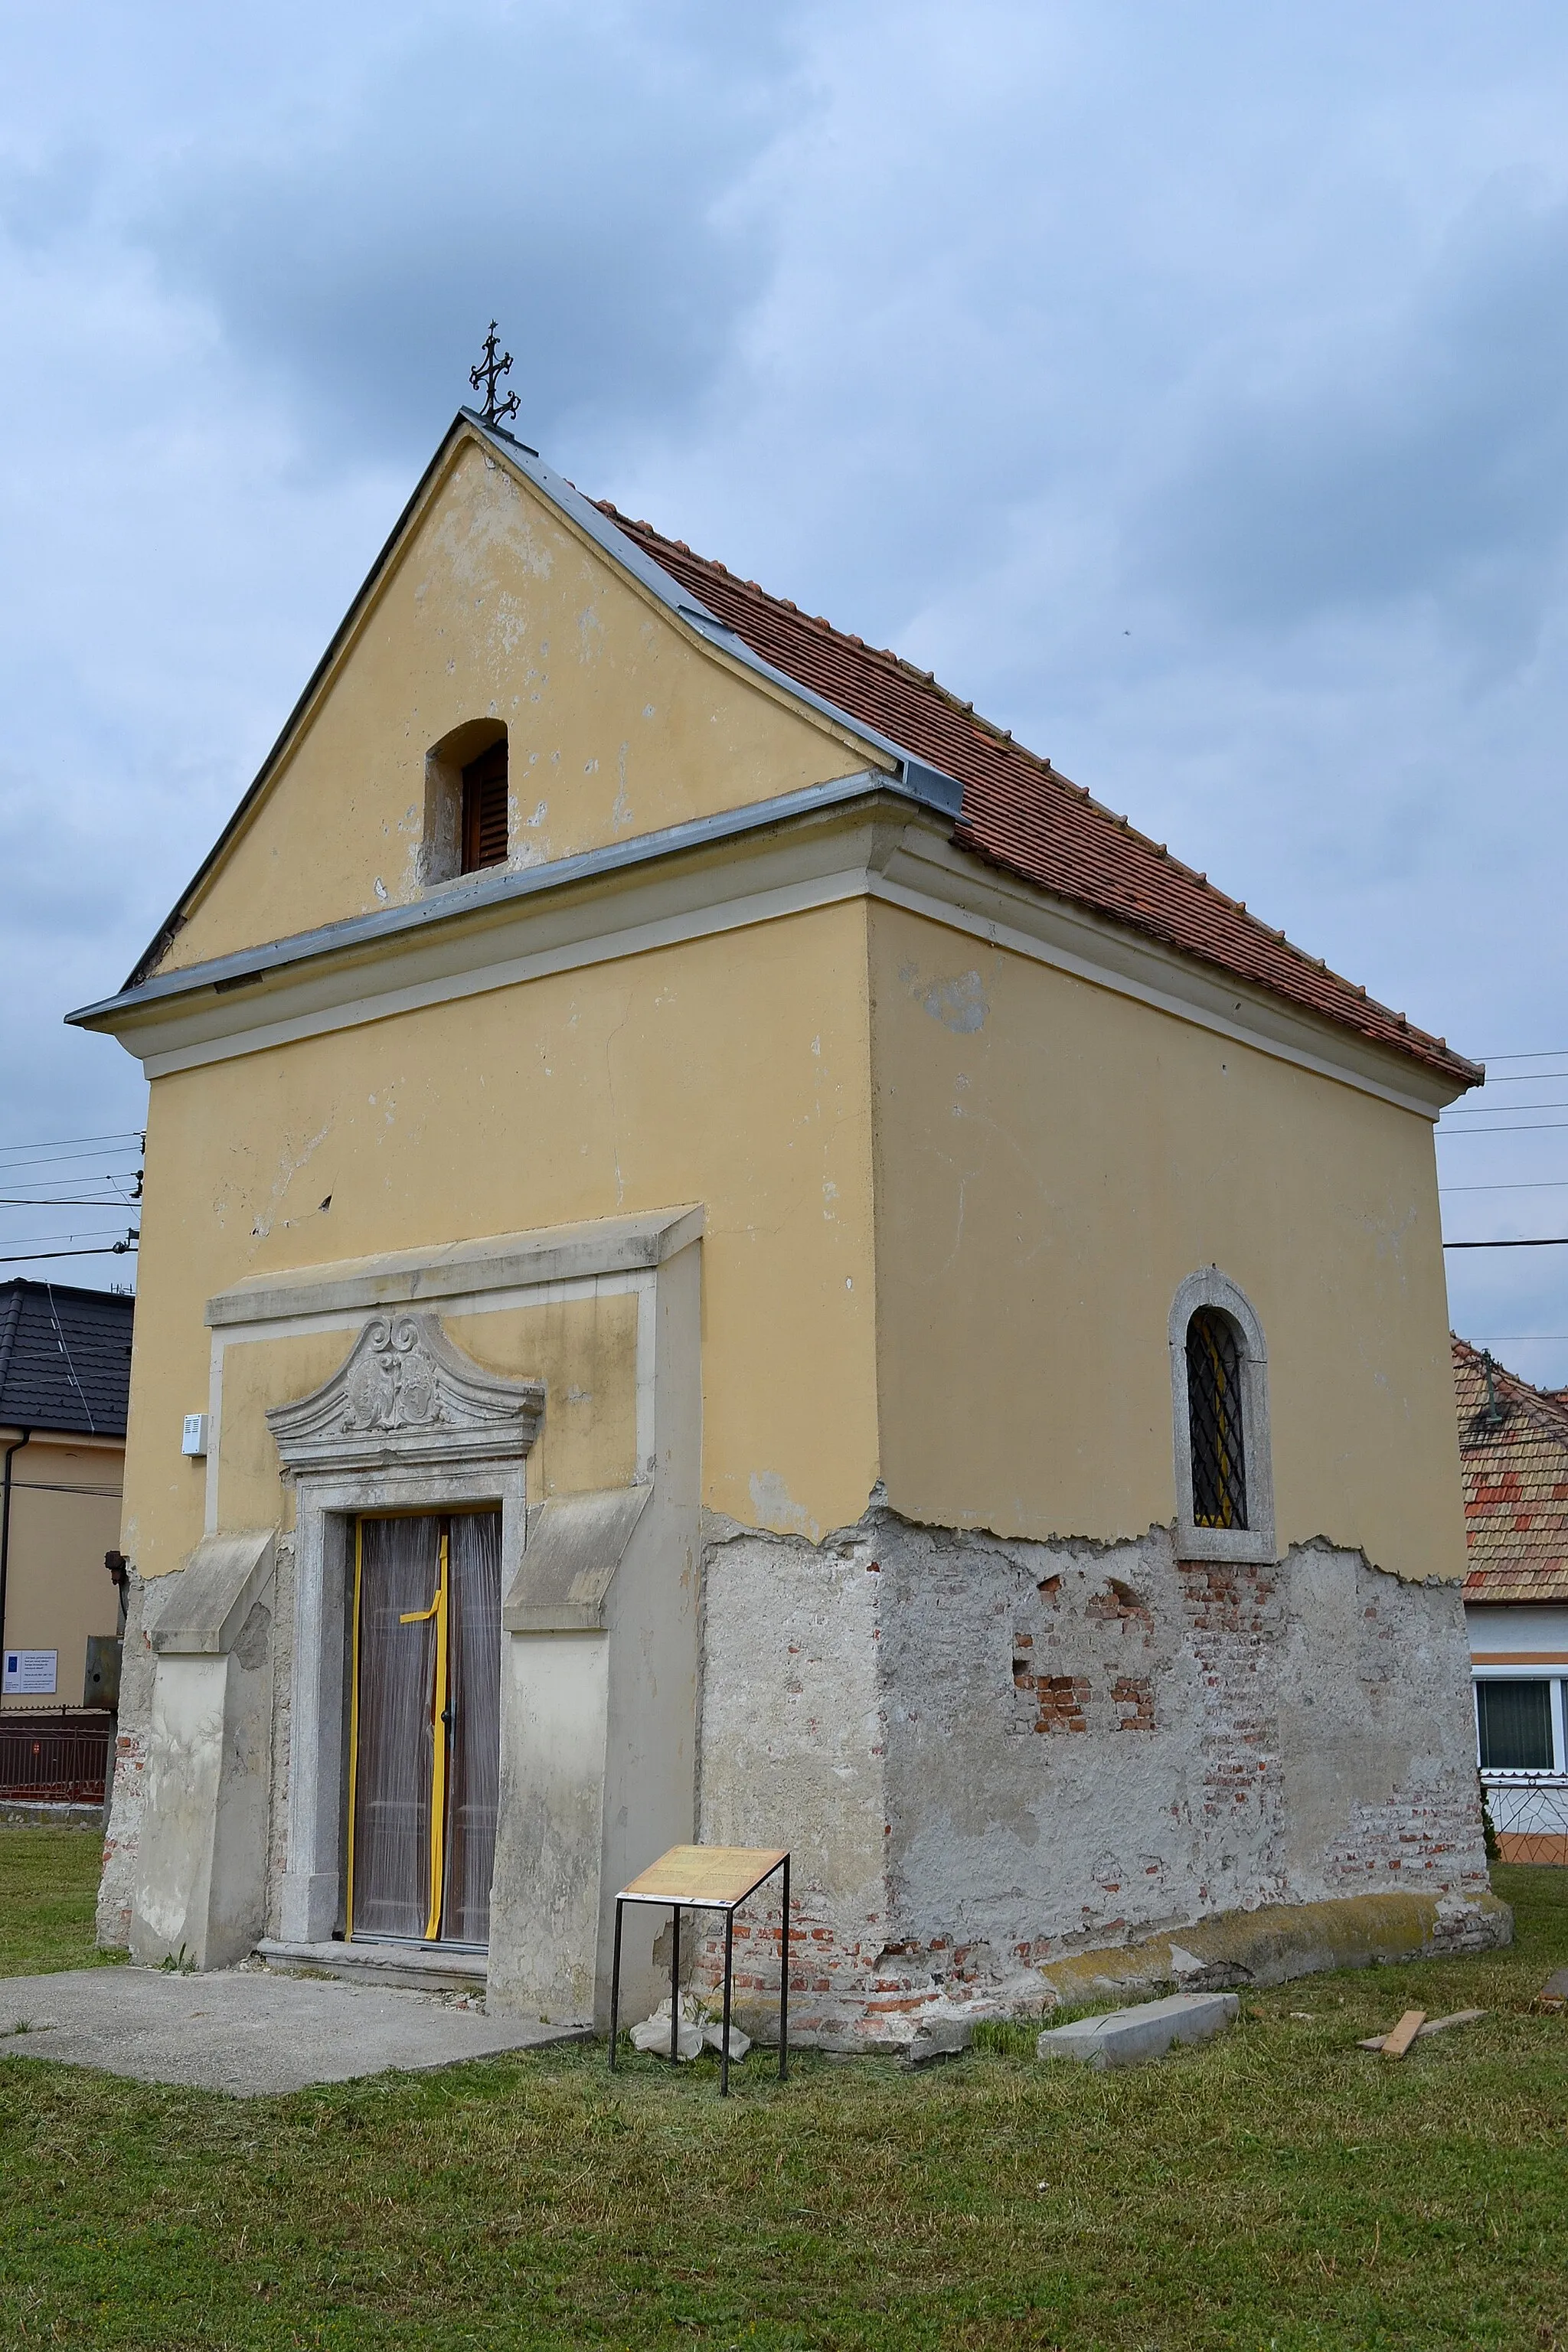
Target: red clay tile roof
[
  {"x": 1513, "y": 1447},
  {"x": 1021, "y": 814}
]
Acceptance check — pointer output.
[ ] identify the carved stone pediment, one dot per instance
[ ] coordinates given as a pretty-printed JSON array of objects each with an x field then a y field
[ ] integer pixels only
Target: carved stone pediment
[{"x": 406, "y": 1395}]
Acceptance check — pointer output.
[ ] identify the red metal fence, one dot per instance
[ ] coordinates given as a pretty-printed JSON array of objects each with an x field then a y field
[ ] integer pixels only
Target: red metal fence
[{"x": 57, "y": 1759}]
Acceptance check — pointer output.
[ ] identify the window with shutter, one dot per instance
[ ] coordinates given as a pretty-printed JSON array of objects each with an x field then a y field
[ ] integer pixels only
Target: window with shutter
[{"x": 484, "y": 809}]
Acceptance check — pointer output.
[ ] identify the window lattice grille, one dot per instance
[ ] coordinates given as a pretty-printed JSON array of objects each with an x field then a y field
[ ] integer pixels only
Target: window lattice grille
[{"x": 1215, "y": 1419}]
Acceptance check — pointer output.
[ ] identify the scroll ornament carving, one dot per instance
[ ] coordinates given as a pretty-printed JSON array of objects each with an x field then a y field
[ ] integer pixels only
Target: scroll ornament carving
[{"x": 405, "y": 1393}]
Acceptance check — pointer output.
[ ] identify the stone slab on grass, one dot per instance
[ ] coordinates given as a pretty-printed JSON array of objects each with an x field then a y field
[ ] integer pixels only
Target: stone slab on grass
[
  {"x": 1125, "y": 2037},
  {"x": 245, "y": 2031},
  {"x": 938, "y": 2038}
]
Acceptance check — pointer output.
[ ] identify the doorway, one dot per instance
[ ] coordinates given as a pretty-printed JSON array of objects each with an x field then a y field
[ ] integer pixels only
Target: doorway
[{"x": 425, "y": 1727}]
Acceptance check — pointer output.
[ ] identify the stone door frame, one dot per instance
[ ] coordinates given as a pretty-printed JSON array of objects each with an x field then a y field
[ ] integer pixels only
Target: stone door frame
[
  {"x": 314, "y": 1893},
  {"x": 407, "y": 1423}
]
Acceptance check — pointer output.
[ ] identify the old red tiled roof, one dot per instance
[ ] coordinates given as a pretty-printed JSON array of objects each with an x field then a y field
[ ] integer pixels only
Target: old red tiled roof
[
  {"x": 1513, "y": 1447},
  {"x": 1021, "y": 814}
]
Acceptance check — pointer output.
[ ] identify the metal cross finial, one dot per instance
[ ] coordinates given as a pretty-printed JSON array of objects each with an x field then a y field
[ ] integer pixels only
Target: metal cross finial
[{"x": 487, "y": 373}]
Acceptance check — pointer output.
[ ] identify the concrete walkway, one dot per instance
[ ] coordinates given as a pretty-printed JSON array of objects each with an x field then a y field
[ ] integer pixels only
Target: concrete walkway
[{"x": 243, "y": 2030}]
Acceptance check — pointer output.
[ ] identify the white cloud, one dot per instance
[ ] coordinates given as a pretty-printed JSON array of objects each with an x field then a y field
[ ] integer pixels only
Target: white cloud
[{"x": 1184, "y": 386}]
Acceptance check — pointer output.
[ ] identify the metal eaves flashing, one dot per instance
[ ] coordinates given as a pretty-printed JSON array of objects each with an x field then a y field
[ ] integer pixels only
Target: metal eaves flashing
[{"x": 449, "y": 901}]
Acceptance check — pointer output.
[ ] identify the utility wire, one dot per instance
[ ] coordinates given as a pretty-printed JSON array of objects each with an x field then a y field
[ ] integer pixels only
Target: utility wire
[
  {"x": 38, "y": 1257},
  {"x": 110, "y": 1200},
  {"x": 1536, "y": 1241},
  {"x": 1532, "y": 1127},
  {"x": 60, "y": 1142},
  {"x": 70, "y": 1360},
  {"x": 65, "y": 1201},
  {"x": 1482, "y": 1110},
  {"x": 1523, "y": 1184}
]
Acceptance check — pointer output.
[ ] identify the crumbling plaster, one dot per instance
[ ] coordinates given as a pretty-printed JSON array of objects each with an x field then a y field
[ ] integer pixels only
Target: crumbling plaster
[{"x": 988, "y": 1753}]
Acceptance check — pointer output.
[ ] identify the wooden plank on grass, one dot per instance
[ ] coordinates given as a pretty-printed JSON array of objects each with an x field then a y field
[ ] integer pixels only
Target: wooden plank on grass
[
  {"x": 1432, "y": 2026},
  {"x": 1397, "y": 2043}
]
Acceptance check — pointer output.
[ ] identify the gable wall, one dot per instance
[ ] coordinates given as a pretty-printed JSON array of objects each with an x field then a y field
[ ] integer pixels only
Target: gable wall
[
  {"x": 1052, "y": 1161},
  {"x": 618, "y": 722},
  {"x": 731, "y": 1072}
]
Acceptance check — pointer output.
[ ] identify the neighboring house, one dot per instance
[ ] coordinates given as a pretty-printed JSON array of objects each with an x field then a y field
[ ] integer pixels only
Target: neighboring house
[
  {"x": 65, "y": 1374},
  {"x": 1513, "y": 1446},
  {"x": 725, "y": 1253}
]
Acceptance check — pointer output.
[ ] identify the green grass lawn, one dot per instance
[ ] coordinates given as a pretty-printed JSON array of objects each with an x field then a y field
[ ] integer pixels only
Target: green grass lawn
[
  {"x": 48, "y": 1884},
  {"x": 1279, "y": 2187}
]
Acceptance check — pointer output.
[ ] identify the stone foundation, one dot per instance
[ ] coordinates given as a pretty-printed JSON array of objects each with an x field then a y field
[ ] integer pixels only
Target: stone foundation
[{"x": 987, "y": 1755}]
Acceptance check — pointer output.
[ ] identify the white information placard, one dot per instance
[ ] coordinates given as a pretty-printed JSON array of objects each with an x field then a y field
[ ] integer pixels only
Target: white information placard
[{"x": 36, "y": 1671}]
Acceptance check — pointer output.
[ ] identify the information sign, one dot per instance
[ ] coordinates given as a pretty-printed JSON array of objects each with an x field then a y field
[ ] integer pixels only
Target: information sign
[{"x": 35, "y": 1672}]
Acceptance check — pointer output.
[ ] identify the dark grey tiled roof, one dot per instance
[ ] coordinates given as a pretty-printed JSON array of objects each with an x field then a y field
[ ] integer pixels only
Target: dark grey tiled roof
[{"x": 65, "y": 1357}]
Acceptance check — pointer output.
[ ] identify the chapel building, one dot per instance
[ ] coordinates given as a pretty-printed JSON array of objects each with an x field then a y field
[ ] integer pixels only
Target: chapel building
[{"x": 727, "y": 1254}]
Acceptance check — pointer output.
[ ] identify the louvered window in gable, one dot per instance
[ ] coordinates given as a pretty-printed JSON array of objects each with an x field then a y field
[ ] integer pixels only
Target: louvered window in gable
[{"x": 485, "y": 809}]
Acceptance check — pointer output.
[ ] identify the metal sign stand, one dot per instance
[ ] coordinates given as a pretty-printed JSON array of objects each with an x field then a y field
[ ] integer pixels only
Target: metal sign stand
[{"x": 706, "y": 1878}]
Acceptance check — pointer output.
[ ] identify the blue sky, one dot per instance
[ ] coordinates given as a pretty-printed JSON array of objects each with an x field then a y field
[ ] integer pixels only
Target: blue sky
[{"x": 1188, "y": 387}]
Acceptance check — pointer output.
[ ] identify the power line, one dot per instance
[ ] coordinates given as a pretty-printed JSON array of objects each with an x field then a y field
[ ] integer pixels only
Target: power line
[
  {"x": 1534, "y": 1127},
  {"x": 71, "y": 1234},
  {"x": 1523, "y": 1184},
  {"x": 1536, "y": 1241},
  {"x": 39, "y": 1258},
  {"x": 1542, "y": 1054},
  {"x": 60, "y": 1142},
  {"x": 48, "y": 1199},
  {"x": 1488, "y": 1110},
  {"x": 13, "y": 1168},
  {"x": 1524, "y": 1078}
]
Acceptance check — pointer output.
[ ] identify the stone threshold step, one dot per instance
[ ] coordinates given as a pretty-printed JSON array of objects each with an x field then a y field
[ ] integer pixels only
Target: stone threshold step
[{"x": 423, "y": 1967}]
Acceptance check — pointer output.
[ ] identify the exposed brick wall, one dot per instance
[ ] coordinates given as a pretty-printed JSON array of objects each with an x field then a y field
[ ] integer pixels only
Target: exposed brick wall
[
  {"x": 1134, "y": 1693},
  {"x": 1299, "y": 1732}
]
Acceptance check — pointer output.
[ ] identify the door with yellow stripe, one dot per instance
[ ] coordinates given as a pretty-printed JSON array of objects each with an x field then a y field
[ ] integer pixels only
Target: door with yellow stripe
[{"x": 425, "y": 1727}]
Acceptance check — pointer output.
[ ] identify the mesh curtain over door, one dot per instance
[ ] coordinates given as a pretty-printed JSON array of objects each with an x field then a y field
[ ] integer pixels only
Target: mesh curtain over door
[
  {"x": 473, "y": 1786},
  {"x": 426, "y": 1727}
]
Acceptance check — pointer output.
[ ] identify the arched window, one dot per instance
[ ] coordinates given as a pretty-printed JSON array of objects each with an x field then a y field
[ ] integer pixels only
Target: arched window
[
  {"x": 465, "y": 808},
  {"x": 1219, "y": 1382},
  {"x": 1216, "y": 1420},
  {"x": 484, "y": 809}
]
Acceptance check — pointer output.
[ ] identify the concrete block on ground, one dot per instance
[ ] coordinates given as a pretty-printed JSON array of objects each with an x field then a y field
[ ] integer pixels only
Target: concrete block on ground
[
  {"x": 1125, "y": 2037},
  {"x": 936, "y": 2038}
]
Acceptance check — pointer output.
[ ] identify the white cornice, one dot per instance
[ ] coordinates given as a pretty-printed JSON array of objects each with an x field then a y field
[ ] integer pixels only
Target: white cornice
[
  {"x": 451, "y": 1272},
  {"x": 875, "y": 846}
]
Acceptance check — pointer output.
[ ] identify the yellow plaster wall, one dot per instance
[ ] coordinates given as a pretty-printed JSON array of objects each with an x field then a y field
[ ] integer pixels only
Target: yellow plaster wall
[
  {"x": 618, "y": 723},
  {"x": 1052, "y": 1161},
  {"x": 64, "y": 1515},
  {"x": 733, "y": 1072}
]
